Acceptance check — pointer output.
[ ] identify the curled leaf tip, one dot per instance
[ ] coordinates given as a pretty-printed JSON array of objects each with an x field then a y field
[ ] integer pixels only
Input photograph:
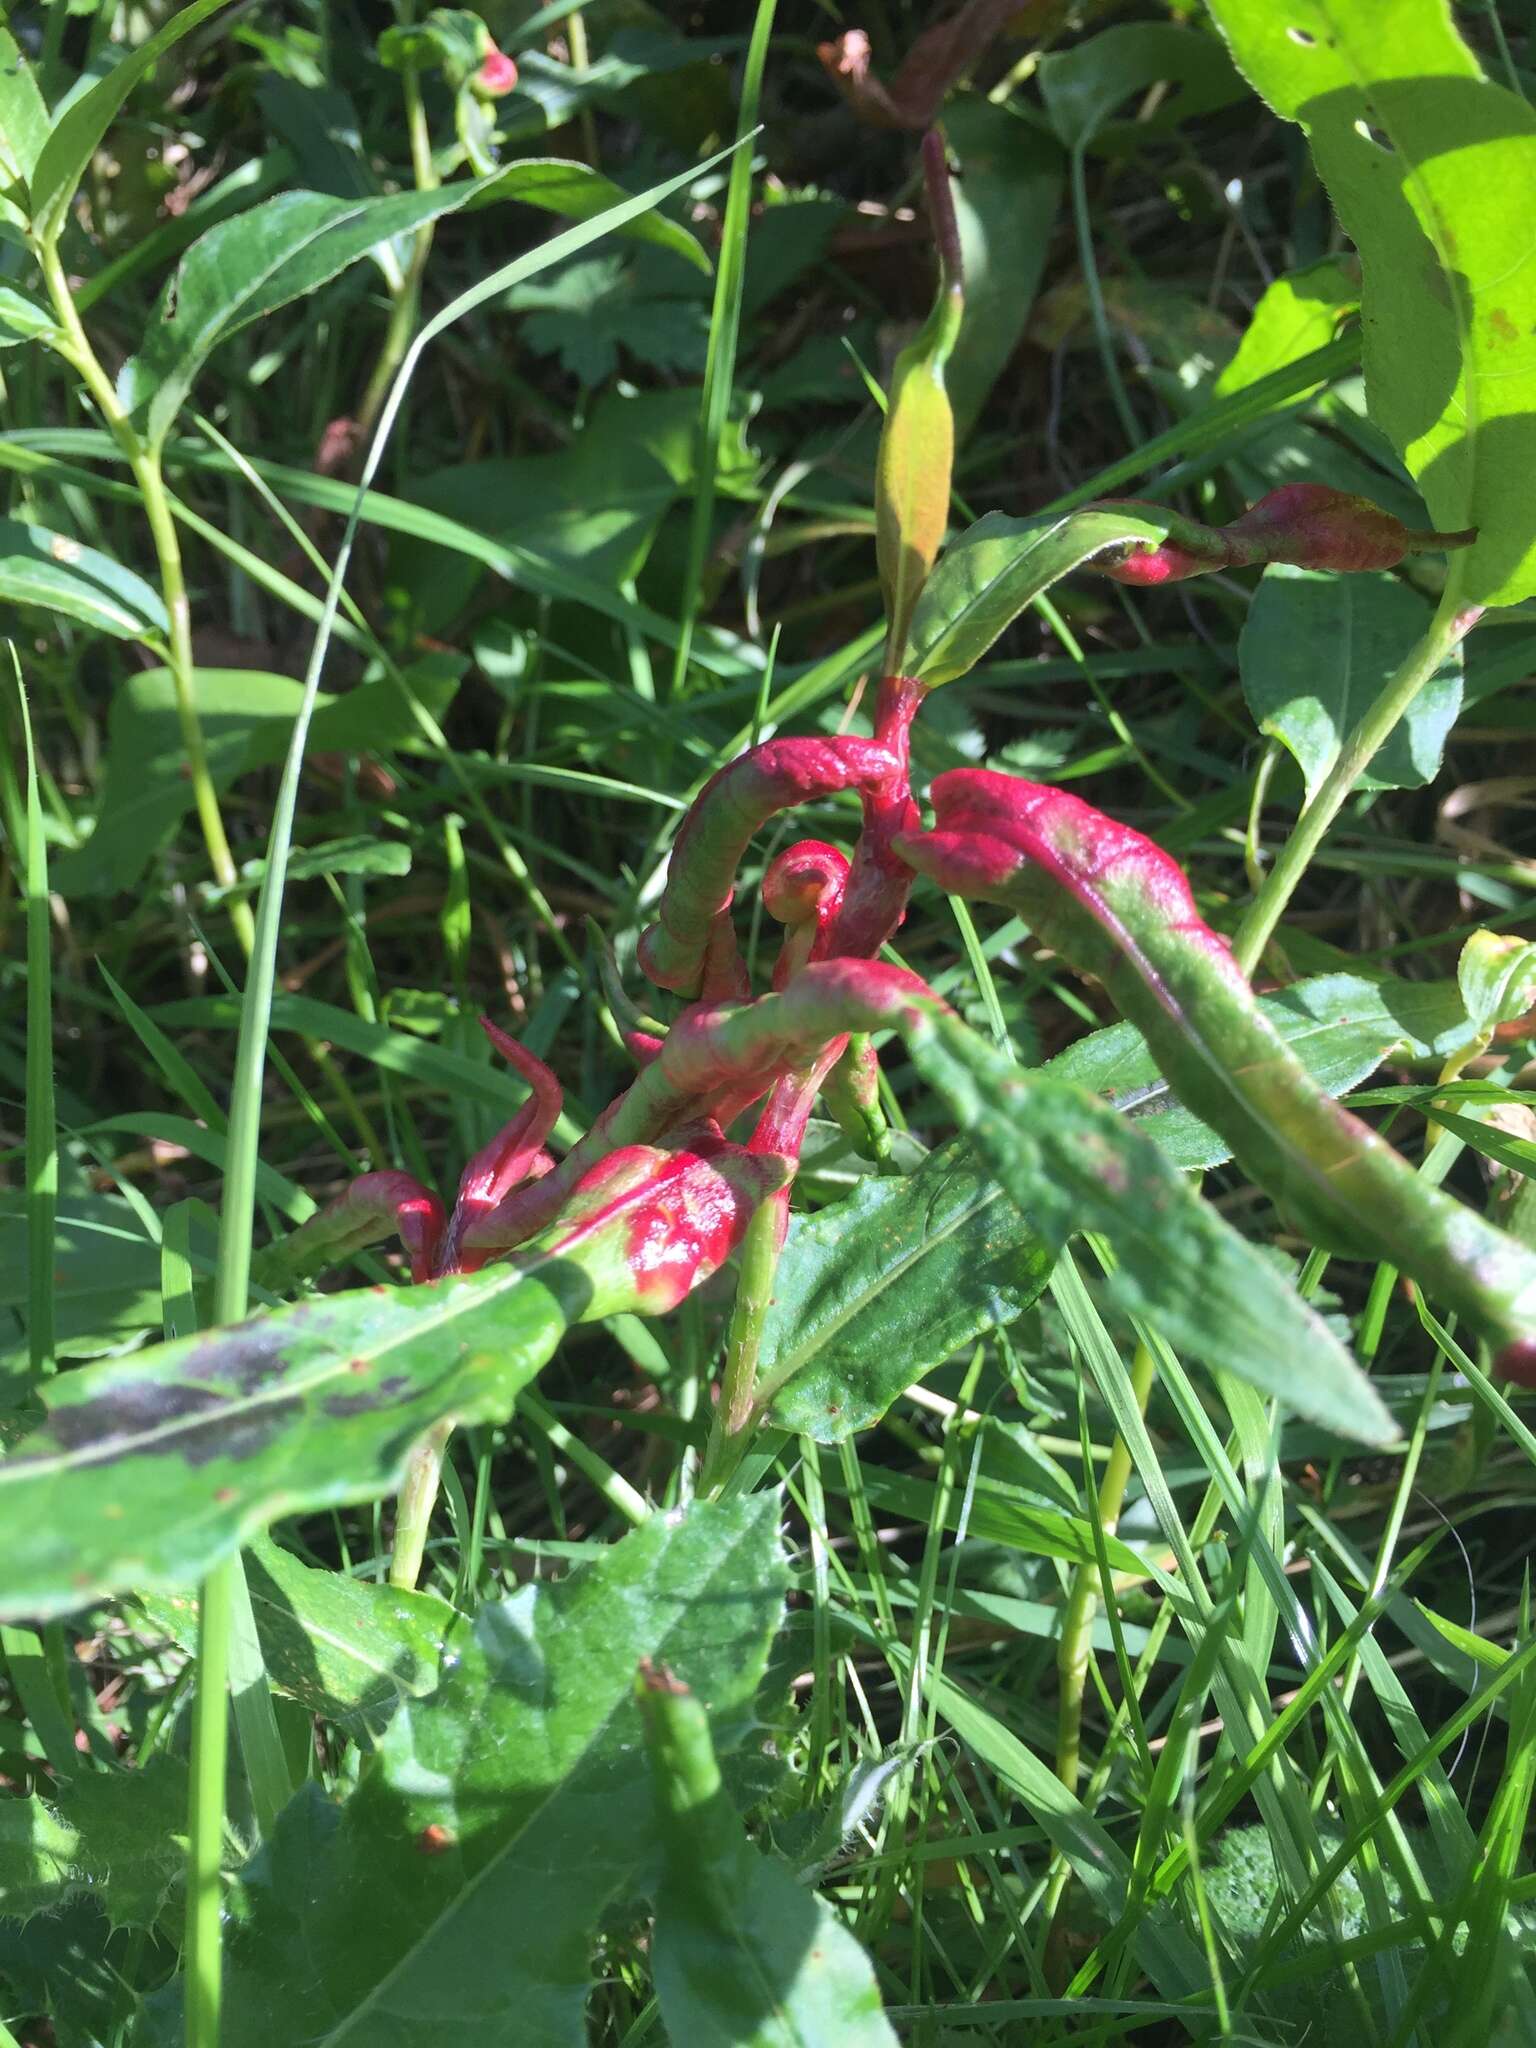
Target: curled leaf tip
[
  {"x": 496, "y": 77},
  {"x": 1305, "y": 525}
]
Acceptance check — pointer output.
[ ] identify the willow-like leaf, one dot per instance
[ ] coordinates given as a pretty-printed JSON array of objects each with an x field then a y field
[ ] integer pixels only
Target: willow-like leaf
[{"x": 1112, "y": 902}]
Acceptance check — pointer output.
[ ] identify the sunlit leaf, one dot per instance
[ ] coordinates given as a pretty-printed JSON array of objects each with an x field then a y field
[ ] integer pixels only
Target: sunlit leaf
[
  {"x": 743, "y": 1955},
  {"x": 993, "y": 570},
  {"x": 149, "y": 1468},
  {"x": 1071, "y": 1164},
  {"x": 468, "y": 1871},
  {"x": 1316, "y": 651},
  {"x": 57, "y": 574},
  {"x": 1432, "y": 171},
  {"x": 875, "y": 1291}
]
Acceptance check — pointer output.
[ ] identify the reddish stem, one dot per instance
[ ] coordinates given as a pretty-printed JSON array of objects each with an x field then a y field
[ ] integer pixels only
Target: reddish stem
[{"x": 880, "y": 882}]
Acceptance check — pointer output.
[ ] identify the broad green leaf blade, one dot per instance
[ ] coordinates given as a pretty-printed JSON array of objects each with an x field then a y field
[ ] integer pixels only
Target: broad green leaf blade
[
  {"x": 467, "y": 1874},
  {"x": 345, "y": 1648},
  {"x": 1114, "y": 904},
  {"x": 1084, "y": 85},
  {"x": 743, "y": 1956},
  {"x": 1072, "y": 1164},
  {"x": 251, "y": 265},
  {"x": 1432, "y": 171},
  {"x": 57, "y": 574},
  {"x": 875, "y": 1291},
  {"x": 149, "y": 1469},
  {"x": 578, "y": 192},
  {"x": 993, "y": 570},
  {"x": 115, "y": 1836},
  {"x": 1296, "y": 314},
  {"x": 1315, "y": 653},
  {"x": 1340, "y": 1026},
  {"x": 72, "y": 141}
]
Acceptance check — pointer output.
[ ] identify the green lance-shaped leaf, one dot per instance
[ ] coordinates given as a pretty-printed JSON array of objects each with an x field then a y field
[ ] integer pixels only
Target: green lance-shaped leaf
[
  {"x": 877, "y": 1290},
  {"x": 251, "y": 265},
  {"x": 148, "y": 1469},
  {"x": 743, "y": 1955},
  {"x": 917, "y": 445},
  {"x": 995, "y": 569},
  {"x": 576, "y": 191},
  {"x": 57, "y": 574},
  {"x": 1117, "y": 906},
  {"x": 468, "y": 1872},
  {"x": 1066, "y": 1158},
  {"x": 1432, "y": 170},
  {"x": 1071, "y": 1163},
  {"x": 23, "y": 128}
]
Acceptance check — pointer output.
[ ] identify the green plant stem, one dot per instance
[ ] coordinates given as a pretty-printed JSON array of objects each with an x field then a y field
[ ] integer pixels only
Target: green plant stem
[
  {"x": 724, "y": 326},
  {"x": 754, "y": 1293},
  {"x": 581, "y": 60},
  {"x": 1076, "y": 1645},
  {"x": 1088, "y": 263},
  {"x": 405, "y": 299},
  {"x": 144, "y": 462},
  {"x": 202, "y": 1962},
  {"x": 1452, "y": 621},
  {"x": 418, "y": 1497},
  {"x": 24, "y": 828}
]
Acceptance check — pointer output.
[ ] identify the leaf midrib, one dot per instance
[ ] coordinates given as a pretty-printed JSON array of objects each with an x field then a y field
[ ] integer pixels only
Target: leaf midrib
[
  {"x": 720, "y": 1558},
  {"x": 826, "y": 1332}
]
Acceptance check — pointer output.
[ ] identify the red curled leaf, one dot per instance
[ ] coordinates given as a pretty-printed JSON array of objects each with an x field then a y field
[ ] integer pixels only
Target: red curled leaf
[
  {"x": 803, "y": 889},
  {"x": 496, "y": 77},
  {"x": 1114, "y": 903},
  {"x": 730, "y": 808},
  {"x": 513, "y": 1156},
  {"x": 659, "y": 1223},
  {"x": 1309, "y": 526},
  {"x": 373, "y": 1207},
  {"x": 875, "y": 900},
  {"x": 715, "y": 1062}
]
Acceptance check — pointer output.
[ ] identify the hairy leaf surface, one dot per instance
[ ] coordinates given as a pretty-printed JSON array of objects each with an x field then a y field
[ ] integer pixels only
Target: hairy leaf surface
[
  {"x": 875, "y": 1291},
  {"x": 467, "y": 1873},
  {"x": 1072, "y": 1164}
]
